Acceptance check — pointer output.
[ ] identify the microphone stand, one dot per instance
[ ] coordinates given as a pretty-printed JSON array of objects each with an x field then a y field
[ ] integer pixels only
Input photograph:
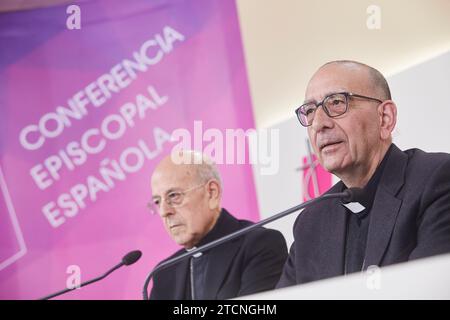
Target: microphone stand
[
  {"x": 84, "y": 283},
  {"x": 347, "y": 194}
]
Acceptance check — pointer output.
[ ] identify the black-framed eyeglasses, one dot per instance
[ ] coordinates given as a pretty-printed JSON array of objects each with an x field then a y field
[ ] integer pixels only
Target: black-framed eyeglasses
[
  {"x": 173, "y": 199},
  {"x": 334, "y": 105}
]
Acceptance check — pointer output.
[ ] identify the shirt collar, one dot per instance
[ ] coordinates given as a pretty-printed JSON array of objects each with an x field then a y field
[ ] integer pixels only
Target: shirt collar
[{"x": 370, "y": 189}]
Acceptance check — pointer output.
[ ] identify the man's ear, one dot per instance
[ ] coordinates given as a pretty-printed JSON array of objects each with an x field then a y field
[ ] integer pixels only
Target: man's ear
[
  {"x": 214, "y": 193},
  {"x": 387, "y": 112}
]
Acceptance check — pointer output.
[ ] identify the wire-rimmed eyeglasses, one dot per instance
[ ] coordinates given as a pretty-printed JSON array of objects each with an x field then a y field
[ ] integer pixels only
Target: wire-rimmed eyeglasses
[{"x": 174, "y": 198}]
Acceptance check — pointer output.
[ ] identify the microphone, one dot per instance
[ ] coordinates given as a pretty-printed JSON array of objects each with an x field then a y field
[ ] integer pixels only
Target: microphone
[
  {"x": 353, "y": 202},
  {"x": 131, "y": 257},
  {"x": 127, "y": 260},
  {"x": 348, "y": 195},
  {"x": 353, "y": 195}
]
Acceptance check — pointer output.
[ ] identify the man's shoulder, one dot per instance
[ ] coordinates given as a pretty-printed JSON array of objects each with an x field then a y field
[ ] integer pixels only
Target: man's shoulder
[
  {"x": 422, "y": 165},
  {"x": 262, "y": 235},
  {"x": 260, "y": 242},
  {"x": 427, "y": 175},
  {"x": 319, "y": 206},
  {"x": 266, "y": 234},
  {"x": 173, "y": 255},
  {"x": 258, "y": 231},
  {"x": 263, "y": 239},
  {"x": 430, "y": 160}
]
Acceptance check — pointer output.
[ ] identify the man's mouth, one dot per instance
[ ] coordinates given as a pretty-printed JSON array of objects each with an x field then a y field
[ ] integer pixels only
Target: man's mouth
[{"x": 329, "y": 144}]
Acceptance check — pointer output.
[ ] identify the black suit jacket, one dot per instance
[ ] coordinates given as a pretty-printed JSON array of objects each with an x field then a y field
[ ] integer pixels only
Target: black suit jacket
[
  {"x": 245, "y": 265},
  {"x": 409, "y": 219}
]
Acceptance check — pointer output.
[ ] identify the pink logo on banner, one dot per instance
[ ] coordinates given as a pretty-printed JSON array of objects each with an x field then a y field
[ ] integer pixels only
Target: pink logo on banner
[
  {"x": 85, "y": 116},
  {"x": 315, "y": 180}
]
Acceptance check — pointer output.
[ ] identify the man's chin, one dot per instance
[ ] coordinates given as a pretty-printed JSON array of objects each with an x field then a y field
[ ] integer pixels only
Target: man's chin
[
  {"x": 182, "y": 241},
  {"x": 331, "y": 165},
  {"x": 179, "y": 240}
]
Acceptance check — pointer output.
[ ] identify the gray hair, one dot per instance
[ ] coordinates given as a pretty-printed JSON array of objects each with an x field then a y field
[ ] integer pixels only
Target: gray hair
[{"x": 204, "y": 167}]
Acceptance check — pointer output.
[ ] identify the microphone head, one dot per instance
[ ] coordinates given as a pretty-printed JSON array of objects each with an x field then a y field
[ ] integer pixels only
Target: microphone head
[
  {"x": 131, "y": 257},
  {"x": 353, "y": 195}
]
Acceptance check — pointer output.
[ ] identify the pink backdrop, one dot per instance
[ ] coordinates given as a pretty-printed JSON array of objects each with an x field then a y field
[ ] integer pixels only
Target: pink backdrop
[{"x": 201, "y": 74}]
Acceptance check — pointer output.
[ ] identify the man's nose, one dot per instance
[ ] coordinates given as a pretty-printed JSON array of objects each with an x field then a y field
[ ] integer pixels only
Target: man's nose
[
  {"x": 165, "y": 209},
  {"x": 321, "y": 120}
]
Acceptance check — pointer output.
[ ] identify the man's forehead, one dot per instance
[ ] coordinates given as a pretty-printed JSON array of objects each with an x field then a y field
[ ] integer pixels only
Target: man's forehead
[
  {"x": 335, "y": 78},
  {"x": 318, "y": 97},
  {"x": 171, "y": 177}
]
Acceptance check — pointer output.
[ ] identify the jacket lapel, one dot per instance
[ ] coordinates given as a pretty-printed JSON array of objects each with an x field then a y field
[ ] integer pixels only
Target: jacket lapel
[
  {"x": 332, "y": 238},
  {"x": 385, "y": 207},
  {"x": 219, "y": 262},
  {"x": 220, "y": 258},
  {"x": 181, "y": 277}
]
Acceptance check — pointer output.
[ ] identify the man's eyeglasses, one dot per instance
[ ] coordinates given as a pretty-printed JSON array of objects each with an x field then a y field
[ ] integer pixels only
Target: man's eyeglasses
[
  {"x": 334, "y": 105},
  {"x": 173, "y": 199}
]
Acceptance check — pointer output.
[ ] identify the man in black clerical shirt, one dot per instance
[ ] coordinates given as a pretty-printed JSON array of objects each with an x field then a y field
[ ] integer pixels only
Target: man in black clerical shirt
[
  {"x": 187, "y": 192},
  {"x": 405, "y": 211}
]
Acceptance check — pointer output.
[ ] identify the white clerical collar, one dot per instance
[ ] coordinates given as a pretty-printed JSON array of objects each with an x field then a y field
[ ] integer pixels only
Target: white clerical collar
[
  {"x": 198, "y": 254},
  {"x": 354, "y": 207}
]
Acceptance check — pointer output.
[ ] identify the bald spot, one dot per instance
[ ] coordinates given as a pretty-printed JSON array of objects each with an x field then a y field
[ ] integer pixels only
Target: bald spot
[
  {"x": 167, "y": 168},
  {"x": 358, "y": 76}
]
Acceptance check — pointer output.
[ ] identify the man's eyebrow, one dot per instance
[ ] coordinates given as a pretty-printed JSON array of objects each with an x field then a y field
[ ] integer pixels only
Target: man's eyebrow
[
  {"x": 166, "y": 193},
  {"x": 339, "y": 90},
  {"x": 309, "y": 101}
]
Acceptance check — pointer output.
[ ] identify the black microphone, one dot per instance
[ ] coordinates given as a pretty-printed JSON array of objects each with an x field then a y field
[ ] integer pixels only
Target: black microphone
[
  {"x": 354, "y": 202},
  {"x": 348, "y": 195},
  {"x": 127, "y": 260},
  {"x": 131, "y": 257},
  {"x": 353, "y": 195}
]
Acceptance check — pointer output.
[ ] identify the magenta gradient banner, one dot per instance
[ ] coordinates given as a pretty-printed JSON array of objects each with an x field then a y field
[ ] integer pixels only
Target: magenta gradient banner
[{"x": 85, "y": 115}]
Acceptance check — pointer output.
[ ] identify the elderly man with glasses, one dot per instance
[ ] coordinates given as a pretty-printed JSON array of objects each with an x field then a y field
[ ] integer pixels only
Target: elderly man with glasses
[
  {"x": 404, "y": 212},
  {"x": 187, "y": 194}
]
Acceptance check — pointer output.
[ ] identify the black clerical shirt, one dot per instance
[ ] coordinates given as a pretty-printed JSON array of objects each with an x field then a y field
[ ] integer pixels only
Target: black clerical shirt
[
  {"x": 198, "y": 264},
  {"x": 358, "y": 223}
]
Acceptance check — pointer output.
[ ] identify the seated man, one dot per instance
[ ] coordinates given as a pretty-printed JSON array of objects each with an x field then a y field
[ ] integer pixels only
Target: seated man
[
  {"x": 406, "y": 203},
  {"x": 187, "y": 198}
]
